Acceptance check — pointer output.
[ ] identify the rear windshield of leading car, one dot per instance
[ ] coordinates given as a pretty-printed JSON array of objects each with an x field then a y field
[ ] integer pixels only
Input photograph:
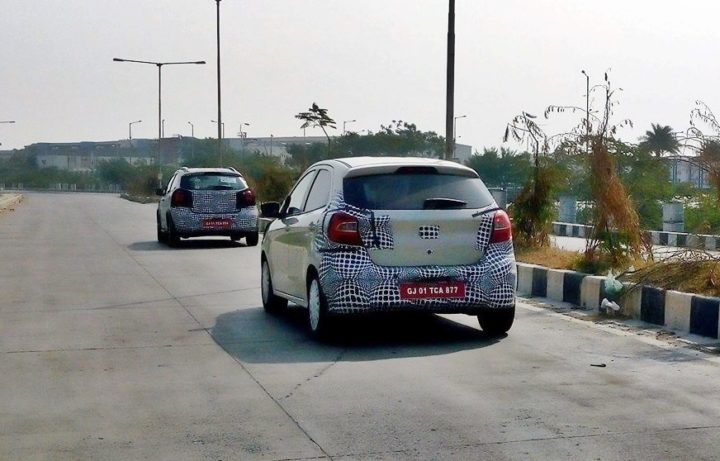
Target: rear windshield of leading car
[
  {"x": 213, "y": 181},
  {"x": 416, "y": 192}
]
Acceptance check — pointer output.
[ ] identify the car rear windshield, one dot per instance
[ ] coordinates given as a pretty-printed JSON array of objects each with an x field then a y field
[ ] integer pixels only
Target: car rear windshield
[
  {"x": 416, "y": 192},
  {"x": 213, "y": 181}
]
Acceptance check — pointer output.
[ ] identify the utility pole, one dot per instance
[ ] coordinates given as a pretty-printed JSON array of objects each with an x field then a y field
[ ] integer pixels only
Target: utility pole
[
  {"x": 450, "y": 96},
  {"x": 587, "y": 112}
]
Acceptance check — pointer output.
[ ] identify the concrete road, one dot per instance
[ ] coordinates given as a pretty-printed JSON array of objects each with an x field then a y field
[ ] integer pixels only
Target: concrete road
[{"x": 113, "y": 347}]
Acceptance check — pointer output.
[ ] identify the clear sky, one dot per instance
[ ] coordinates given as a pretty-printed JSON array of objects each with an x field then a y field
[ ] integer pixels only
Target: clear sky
[{"x": 369, "y": 60}]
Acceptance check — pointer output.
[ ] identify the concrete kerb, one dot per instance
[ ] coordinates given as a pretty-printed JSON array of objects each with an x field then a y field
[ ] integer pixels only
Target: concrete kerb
[
  {"x": 8, "y": 201},
  {"x": 676, "y": 239},
  {"x": 681, "y": 312}
]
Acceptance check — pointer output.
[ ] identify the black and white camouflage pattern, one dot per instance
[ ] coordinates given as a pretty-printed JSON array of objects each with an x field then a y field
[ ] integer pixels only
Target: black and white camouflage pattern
[
  {"x": 352, "y": 283},
  {"x": 214, "y": 205}
]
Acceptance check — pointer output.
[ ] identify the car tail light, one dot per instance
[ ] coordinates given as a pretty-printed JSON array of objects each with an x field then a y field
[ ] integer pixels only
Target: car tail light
[
  {"x": 343, "y": 229},
  {"x": 502, "y": 229},
  {"x": 245, "y": 198},
  {"x": 181, "y": 198}
]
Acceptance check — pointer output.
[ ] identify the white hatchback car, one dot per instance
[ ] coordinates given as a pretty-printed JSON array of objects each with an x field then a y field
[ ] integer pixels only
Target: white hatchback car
[
  {"x": 207, "y": 201},
  {"x": 380, "y": 234}
]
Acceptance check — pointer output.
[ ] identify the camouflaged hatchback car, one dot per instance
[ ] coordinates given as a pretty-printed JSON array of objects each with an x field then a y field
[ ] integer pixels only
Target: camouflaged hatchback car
[
  {"x": 367, "y": 234},
  {"x": 207, "y": 201}
]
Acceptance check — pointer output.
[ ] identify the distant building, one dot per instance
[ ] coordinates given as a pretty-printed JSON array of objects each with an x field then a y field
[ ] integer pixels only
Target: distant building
[
  {"x": 87, "y": 155},
  {"x": 683, "y": 169}
]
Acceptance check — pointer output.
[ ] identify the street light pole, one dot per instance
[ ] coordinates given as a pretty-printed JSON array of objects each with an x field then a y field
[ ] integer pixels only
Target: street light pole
[
  {"x": 450, "y": 94},
  {"x": 192, "y": 141},
  {"x": 130, "y": 128},
  {"x": 346, "y": 122},
  {"x": 221, "y": 128},
  {"x": 159, "y": 67},
  {"x": 587, "y": 112},
  {"x": 454, "y": 135},
  {"x": 219, "y": 94}
]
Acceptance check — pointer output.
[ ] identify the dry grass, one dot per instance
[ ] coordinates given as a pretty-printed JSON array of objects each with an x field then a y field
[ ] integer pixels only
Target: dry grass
[
  {"x": 553, "y": 258},
  {"x": 691, "y": 276},
  {"x": 688, "y": 271}
]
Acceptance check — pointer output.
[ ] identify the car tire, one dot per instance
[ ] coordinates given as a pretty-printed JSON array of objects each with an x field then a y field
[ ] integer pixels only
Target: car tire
[
  {"x": 271, "y": 302},
  {"x": 252, "y": 239},
  {"x": 161, "y": 236},
  {"x": 318, "y": 317},
  {"x": 496, "y": 322},
  {"x": 173, "y": 239}
]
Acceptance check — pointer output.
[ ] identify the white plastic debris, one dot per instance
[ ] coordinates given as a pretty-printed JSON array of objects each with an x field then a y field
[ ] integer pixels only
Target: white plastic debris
[{"x": 609, "y": 306}]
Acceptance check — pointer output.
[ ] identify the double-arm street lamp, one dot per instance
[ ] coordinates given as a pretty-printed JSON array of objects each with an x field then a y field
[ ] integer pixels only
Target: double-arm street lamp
[{"x": 159, "y": 67}]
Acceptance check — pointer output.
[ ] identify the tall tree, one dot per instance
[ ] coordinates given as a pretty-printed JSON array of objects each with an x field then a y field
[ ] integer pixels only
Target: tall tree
[
  {"x": 659, "y": 140},
  {"x": 316, "y": 116}
]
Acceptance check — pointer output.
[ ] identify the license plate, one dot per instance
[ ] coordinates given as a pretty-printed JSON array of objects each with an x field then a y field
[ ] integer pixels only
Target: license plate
[
  {"x": 436, "y": 290},
  {"x": 217, "y": 223}
]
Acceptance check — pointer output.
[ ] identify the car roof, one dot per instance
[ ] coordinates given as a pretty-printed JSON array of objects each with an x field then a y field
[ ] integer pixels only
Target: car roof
[
  {"x": 187, "y": 170},
  {"x": 366, "y": 165}
]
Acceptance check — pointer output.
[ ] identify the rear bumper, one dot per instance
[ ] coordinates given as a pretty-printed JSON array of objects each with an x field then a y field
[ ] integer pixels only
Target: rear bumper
[
  {"x": 190, "y": 224},
  {"x": 352, "y": 283}
]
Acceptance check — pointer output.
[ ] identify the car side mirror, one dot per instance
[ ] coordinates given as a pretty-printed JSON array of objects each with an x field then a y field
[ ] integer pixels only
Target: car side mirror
[
  {"x": 159, "y": 192},
  {"x": 270, "y": 210}
]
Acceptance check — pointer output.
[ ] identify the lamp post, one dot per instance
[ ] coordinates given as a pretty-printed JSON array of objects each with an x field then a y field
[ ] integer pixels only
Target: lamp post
[
  {"x": 162, "y": 131},
  {"x": 221, "y": 129},
  {"x": 242, "y": 134},
  {"x": 192, "y": 141},
  {"x": 130, "y": 128},
  {"x": 159, "y": 67},
  {"x": 346, "y": 122},
  {"x": 219, "y": 94},
  {"x": 587, "y": 112},
  {"x": 450, "y": 90},
  {"x": 454, "y": 134}
]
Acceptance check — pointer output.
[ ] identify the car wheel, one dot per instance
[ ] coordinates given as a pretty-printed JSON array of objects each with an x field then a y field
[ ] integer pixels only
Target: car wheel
[
  {"x": 172, "y": 237},
  {"x": 251, "y": 239},
  {"x": 496, "y": 322},
  {"x": 271, "y": 302},
  {"x": 318, "y": 318},
  {"x": 161, "y": 236}
]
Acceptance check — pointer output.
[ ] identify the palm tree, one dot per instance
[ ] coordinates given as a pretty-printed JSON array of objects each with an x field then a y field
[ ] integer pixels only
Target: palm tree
[
  {"x": 660, "y": 139},
  {"x": 316, "y": 116}
]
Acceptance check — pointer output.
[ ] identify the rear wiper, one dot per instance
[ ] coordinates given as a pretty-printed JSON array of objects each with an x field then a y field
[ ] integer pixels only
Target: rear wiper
[{"x": 442, "y": 203}]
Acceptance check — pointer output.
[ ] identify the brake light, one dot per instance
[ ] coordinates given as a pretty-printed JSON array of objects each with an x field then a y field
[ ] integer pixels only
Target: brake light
[
  {"x": 343, "y": 229},
  {"x": 245, "y": 198},
  {"x": 502, "y": 229},
  {"x": 181, "y": 198}
]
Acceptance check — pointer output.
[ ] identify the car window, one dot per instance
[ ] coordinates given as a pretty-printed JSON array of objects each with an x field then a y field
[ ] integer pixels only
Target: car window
[
  {"x": 318, "y": 196},
  {"x": 171, "y": 183},
  {"x": 415, "y": 191},
  {"x": 213, "y": 181},
  {"x": 296, "y": 199}
]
